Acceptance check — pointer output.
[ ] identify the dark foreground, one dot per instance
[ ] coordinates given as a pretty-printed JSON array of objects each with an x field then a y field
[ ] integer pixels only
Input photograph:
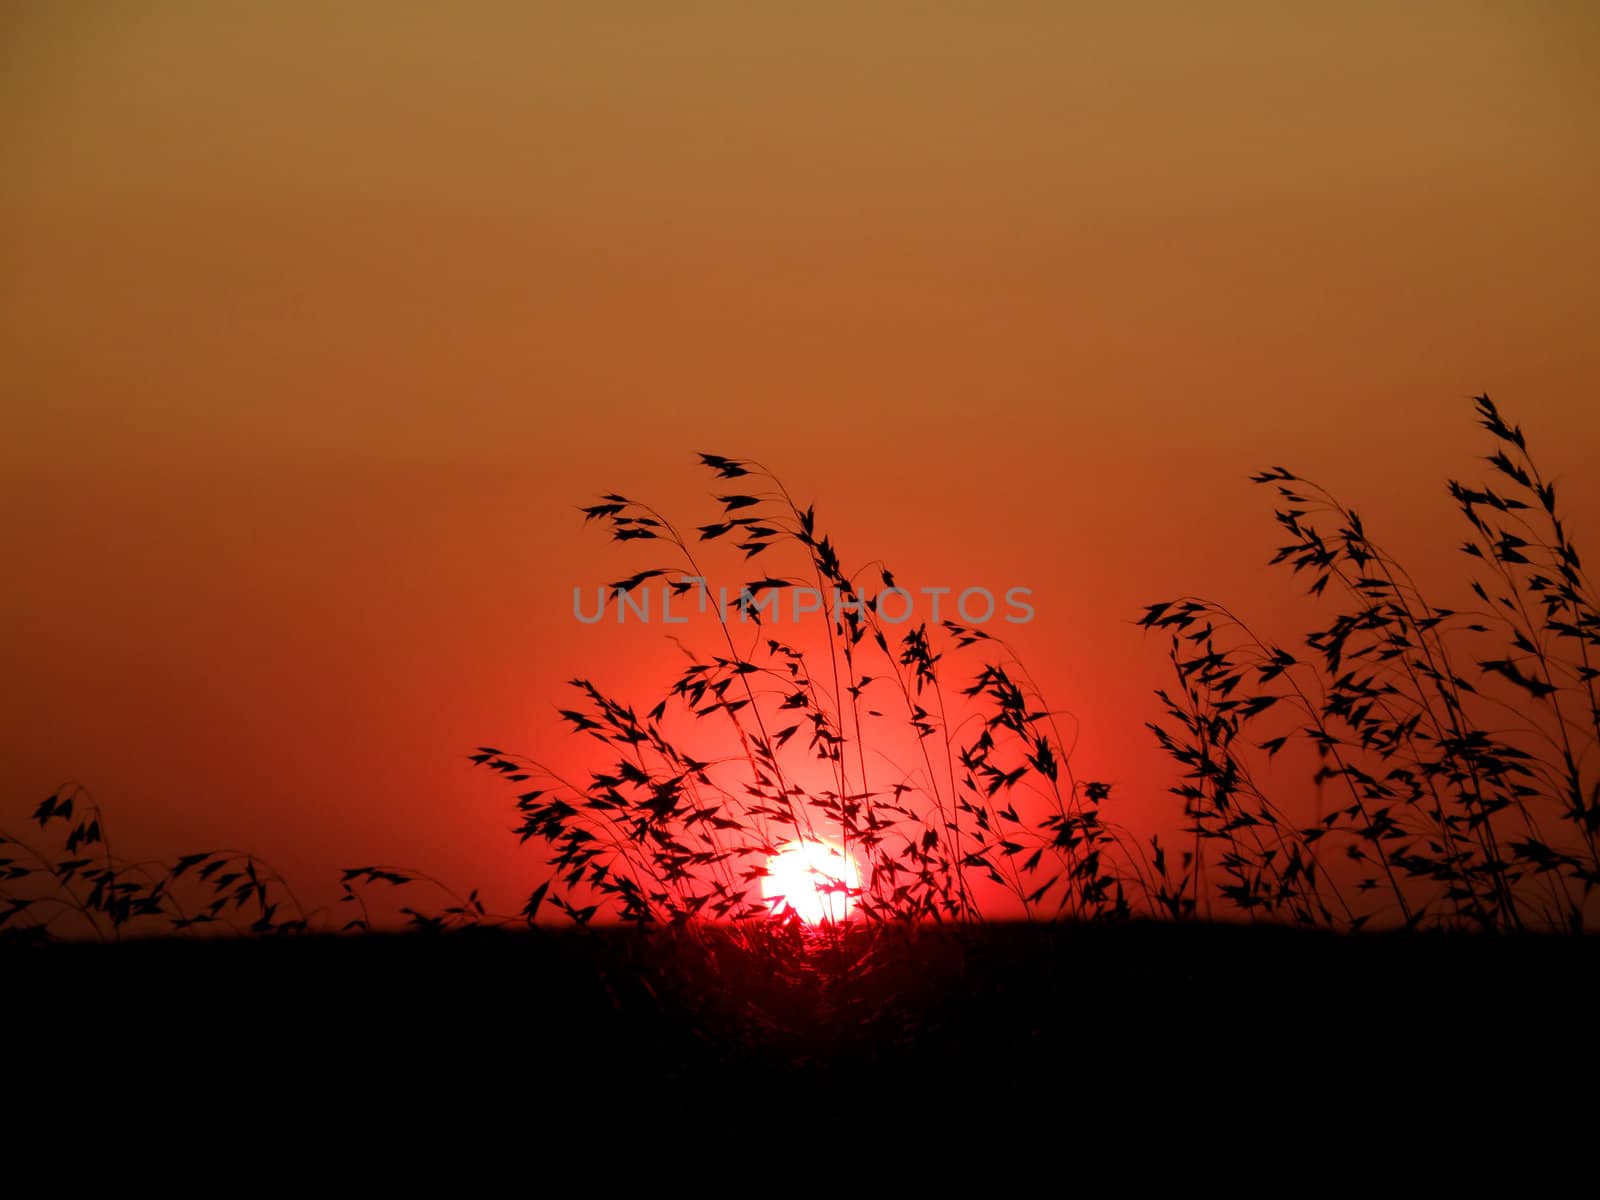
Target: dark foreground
[{"x": 1117, "y": 1012}]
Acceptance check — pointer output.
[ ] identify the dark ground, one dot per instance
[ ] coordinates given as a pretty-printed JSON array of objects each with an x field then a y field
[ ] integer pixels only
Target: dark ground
[{"x": 1132, "y": 1013}]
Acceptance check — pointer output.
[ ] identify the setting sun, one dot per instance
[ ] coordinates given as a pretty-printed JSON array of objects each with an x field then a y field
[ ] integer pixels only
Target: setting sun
[{"x": 812, "y": 879}]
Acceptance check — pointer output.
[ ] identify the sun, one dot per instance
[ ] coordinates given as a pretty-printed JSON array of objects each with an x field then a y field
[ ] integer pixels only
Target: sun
[{"x": 812, "y": 879}]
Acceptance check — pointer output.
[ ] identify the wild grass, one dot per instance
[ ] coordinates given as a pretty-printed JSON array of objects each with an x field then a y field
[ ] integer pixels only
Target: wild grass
[
  {"x": 1449, "y": 753},
  {"x": 1452, "y": 784},
  {"x": 1453, "y": 748},
  {"x": 784, "y": 744},
  {"x": 68, "y": 881}
]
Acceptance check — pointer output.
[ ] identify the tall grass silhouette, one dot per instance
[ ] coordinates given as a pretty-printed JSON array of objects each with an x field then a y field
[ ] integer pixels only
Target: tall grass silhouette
[
  {"x": 1456, "y": 743},
  {"x": 1448, "y": 753},
  {"x": 1453, "y": 747},
  {"x": 668, "y": 829}
]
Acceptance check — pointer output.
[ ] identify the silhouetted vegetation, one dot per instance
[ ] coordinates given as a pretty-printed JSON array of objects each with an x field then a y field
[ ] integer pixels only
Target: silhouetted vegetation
[
  {"x": 1450, "y": 754},
  {"x": 673, "y": 828},
  {"x": 1457, "y": 742},
  {"x": 76, "y": 885},
  {"x": 1453, "y": 747}
]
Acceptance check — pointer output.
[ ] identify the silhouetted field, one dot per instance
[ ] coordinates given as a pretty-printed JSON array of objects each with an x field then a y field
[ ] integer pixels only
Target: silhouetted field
[
  {"x": 1105, "y": 1009},
  {"x": 1416, "y": 945},
  {"x": 1446, "y": 754}
]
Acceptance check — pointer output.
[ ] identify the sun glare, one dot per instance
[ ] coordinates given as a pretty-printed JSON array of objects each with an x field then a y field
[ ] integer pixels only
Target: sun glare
[{"x": 814, "y": 880}]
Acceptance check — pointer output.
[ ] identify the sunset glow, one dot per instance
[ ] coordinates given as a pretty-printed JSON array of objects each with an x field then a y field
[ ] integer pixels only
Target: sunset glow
[
  {"x": 315, "y": 355},
  {"x": 814, "y": 880}
]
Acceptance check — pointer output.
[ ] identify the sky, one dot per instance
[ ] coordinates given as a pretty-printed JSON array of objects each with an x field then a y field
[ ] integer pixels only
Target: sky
[{"x": 319, "y": 321}]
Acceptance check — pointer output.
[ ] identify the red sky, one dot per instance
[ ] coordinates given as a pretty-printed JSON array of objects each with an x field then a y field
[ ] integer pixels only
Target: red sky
[{"x": 316, "y": 327}]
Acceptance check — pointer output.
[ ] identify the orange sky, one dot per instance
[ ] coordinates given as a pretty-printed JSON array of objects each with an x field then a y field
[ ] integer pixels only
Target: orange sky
[{"x": 315, "y": 328}]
